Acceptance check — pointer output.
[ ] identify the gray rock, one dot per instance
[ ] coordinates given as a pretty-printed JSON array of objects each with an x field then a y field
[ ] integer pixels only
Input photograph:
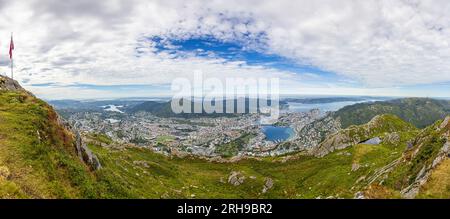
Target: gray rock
[
  {"x": 268, "y": 185},
  {"x": 84, "y": 153},
  {"x": 355, "y": 167},
  {"x": 236, "y": 178},
  {"x": 4, "y": 172},
  {"x": 9, "y": 84},
  {"x": 392, "y": 138},
  {"x": 359, "y": 195}
]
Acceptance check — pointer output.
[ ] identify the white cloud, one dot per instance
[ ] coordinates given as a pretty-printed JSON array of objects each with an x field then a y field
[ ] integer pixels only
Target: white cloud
[{"x": 377, "y": 43}]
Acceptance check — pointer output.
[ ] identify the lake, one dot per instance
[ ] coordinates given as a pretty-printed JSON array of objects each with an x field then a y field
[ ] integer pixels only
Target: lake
[{"x": 277, "y": 133}]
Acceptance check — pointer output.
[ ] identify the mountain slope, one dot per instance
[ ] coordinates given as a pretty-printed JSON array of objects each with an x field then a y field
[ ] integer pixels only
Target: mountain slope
[
  {"x": 41, "y": 157},
  {"x": 38, "y": 154},
  {"x": 383, "y": 127},
  {"x": 421, "y": 112},
  {"x": 410, "y": 173}
]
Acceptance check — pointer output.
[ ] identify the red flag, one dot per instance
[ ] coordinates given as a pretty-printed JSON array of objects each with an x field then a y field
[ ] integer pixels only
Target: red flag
[{"x": 11, "y": 47}]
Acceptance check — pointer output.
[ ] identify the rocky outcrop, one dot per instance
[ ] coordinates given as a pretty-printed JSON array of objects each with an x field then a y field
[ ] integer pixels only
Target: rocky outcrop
[
  {"x": 379, "y": 126},
  {"x": 392, "y": 138},
  {"x": 84, "y": 153},
  {"x": 267, "y": 185},
  {"x": 4, "y": 172},
  {"x": 421, "y": 157},
  {"x": 9, "y": 84},
  {"x": 421, "y": 178},
  {"x": 236, "y": 178}
]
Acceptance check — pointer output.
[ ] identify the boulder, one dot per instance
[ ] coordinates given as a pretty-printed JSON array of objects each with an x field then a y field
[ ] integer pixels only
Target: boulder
[
  {"x": 392, "y": 138},
  {"x": 355, "y": 167},
  {"x": 4, "y": 172},
  {"x": 268, "y": 185},
  {"x": 236, "y": 178},
  {"x": 9, "y": 84}
]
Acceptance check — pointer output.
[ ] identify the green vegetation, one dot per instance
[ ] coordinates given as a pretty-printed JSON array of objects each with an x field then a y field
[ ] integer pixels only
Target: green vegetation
[
  {"x": 38, "y": 160},
  {"x": 421, "y": 112},
  {"x": 37, "y": 156},
  {"x": 427, "y": 146},
  {"x": 438, "y": 185},
  {"x": 232, "y": 148},
  {"x": 138, "y": 173}
]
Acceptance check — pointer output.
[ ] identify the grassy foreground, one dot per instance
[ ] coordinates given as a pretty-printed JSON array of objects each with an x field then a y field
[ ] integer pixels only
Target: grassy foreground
[{"x": 38, "y": 160}]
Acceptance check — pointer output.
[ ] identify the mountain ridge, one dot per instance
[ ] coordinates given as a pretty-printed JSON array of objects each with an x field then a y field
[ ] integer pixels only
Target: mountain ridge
[{"x": 421, "y": 112}]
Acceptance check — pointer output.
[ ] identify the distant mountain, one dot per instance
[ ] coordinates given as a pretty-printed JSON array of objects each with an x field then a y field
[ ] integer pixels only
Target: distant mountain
[
  {"x": 164, "y": 109},
  {"x": 92, "y": 105},
  {"x": 421, "y": 112},
  {"x": 324, "y": 100}
]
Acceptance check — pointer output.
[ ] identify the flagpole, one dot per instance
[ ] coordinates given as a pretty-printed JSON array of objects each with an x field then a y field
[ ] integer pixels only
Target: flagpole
[
  {"x": 12, "y": 72},
  {"x": 10, "y": 53}
]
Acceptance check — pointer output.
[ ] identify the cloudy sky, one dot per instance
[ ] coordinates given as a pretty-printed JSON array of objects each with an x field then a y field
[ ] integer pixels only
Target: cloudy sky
[{"x": 103, "y": 49}]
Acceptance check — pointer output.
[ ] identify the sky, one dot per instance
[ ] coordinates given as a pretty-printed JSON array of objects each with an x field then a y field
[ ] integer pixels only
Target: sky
[{"x": 83, "y": 49}]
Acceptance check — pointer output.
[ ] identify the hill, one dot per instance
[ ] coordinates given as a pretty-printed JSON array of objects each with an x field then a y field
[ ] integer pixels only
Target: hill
[
  {"x": 380, "y": 128},
  {"x": 164, "y": 109},
  {"x": 421, "y": 112},
  {"x": 421, "y": 169},
  {"x": 42, "y": 157}
]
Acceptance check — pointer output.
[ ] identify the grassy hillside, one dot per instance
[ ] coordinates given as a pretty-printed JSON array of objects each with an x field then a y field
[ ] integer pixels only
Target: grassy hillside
[
  {"x": 140, "y": 173},
  {"x": 38, "y": 160},
  {"x": 421, "y": 112},
  {"x": 424, "y": 161},
  {"x": 37, "y": 157},
  {"x": 387, "y": 127}
]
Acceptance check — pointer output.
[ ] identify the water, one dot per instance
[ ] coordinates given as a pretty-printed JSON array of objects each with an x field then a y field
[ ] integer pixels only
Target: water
[
  {"x": 323, "y": 107},
  {"x": 277, "y": 133}
]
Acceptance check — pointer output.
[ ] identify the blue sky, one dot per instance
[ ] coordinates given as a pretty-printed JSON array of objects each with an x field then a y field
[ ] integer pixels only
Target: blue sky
[{"x": 253, "y": 54}]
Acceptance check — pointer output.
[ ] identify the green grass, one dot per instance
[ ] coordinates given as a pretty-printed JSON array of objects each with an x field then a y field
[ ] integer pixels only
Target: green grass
[
  {"x": 140, "y": 173},
  {"x": 428, "y": 144},
  {"x": 38, "y": 153},
  {"x": 232, "y": 148},
  {"x": 421, "y": 112},
  {"x": 38, "y": 160}
]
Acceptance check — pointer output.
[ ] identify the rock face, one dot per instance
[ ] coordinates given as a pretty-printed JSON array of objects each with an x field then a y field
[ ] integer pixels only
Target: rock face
[
  {"x": 9, "y": 84},
  {"x": 84, "y": 153},
  {"x": 268, "y": 185},
  {"x": 392, "y": 138},
  {"x": 422, "y": 176},
  {"x": 236, "y": 178}
]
